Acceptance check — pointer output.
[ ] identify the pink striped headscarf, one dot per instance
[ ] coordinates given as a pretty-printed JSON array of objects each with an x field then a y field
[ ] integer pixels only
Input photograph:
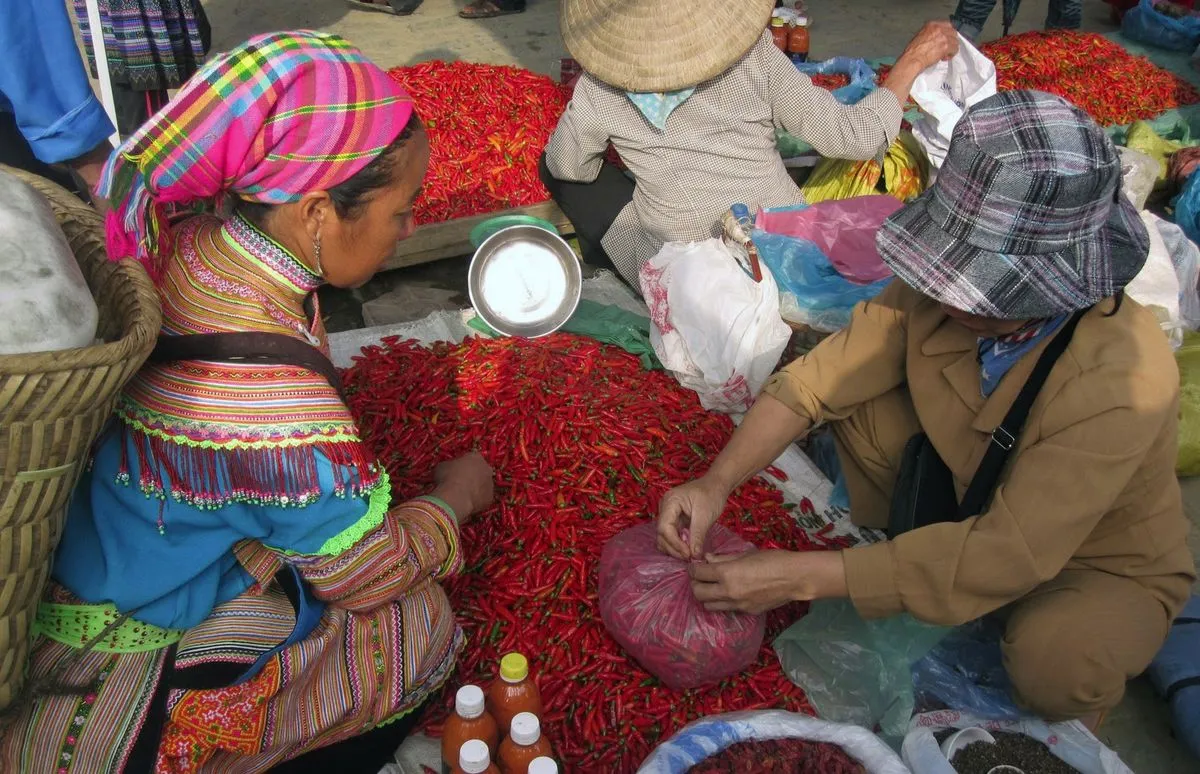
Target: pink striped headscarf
[{"x": 280, "y": 116}]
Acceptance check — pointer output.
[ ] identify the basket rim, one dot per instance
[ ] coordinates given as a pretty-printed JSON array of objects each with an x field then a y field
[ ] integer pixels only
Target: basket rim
[{"x": 140, "y": 326}]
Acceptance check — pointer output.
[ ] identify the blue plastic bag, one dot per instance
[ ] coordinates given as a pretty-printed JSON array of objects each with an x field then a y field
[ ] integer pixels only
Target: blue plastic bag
[
  {"x": 862, "y": 77},
  {"x": 1187, "y": 208},
  {"x": 1175, "y": 672},
  {"x": 812, "y": 289},
  {"x": 965, "y": 672},
  {"x": 1146, "y": 24}
]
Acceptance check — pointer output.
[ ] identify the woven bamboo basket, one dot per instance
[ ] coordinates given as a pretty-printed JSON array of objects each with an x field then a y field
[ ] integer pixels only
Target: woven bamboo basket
[{"x": 52, "y": 407}]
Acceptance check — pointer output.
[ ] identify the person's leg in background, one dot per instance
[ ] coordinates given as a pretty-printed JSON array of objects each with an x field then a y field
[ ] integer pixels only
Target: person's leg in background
[
  {"x": 1064, "y": 15},
  {"x": 970, "y": 16},
  {"x": 490, "y": 9},
  {"x": 591, "y": 208}
]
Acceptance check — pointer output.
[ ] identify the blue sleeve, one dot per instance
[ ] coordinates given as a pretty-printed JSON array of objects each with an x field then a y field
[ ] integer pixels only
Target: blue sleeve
[{"x": 43, "y": 82}]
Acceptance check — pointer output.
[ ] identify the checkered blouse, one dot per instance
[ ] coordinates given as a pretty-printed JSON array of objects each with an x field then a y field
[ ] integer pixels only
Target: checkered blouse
[{"x": 718, "y": 148}]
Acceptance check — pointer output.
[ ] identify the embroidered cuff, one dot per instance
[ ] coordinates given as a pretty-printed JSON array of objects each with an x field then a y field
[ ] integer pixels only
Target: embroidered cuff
[{"x": 440, "y": 520}]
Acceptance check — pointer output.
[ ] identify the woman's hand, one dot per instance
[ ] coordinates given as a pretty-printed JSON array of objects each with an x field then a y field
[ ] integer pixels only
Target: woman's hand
[
  {"x": 694, "y": 506},
  {"x": 936, "y": 42},
  {"x": 758, "y": 581},
  {"x": 465, "y": 484}
]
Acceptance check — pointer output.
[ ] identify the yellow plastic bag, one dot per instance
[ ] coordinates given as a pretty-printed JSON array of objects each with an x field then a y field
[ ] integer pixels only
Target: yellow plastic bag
[
  {"x": 1142, "y": 137},
  {"x": 1187, "y": 462},
  {"x": 904, "y": 173}
]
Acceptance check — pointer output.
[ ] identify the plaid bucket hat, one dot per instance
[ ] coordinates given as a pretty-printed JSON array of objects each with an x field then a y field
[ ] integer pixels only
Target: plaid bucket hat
[{"x": 1026, "y": 218}]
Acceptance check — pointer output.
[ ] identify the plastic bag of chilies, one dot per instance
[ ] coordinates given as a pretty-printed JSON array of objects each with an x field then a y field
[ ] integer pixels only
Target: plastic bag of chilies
[{"x": 647, "y": 605}]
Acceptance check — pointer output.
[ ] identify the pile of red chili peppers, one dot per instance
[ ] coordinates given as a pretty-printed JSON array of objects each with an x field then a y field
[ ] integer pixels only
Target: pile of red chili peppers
[
  {"x": 780, "y": 756},
  {"x": 584, "y": 444},
  {"x": 487, "y": 127},
  {"x": 831, "y": 82},
  {"x": 1093, "y": 72}
]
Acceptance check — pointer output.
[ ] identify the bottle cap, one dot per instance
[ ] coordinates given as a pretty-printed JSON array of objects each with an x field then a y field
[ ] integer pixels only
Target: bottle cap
[
  {"x": 802, "y": 21},
  {"x": 525, "y": 729},
  {"x": 543, "y": 765},
  {"x": 474, "y": 758},
  {"x": 777, "y": 21},
  {"x": 468, "y": 702},
  {"x": 514, "y": 668}
]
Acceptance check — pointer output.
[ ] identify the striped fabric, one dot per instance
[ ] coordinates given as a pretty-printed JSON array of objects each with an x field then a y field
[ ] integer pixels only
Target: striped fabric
[
  {"x": 1026, "y": 218},
  {"x": 151, "y": 45},
  {"x": 239, "y": 432},
  {"x": 280, "y": 116}
]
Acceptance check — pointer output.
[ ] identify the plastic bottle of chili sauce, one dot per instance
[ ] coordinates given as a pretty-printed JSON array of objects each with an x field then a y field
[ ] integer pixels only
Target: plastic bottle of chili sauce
[
  {"x": 543, "y": 766},
  {"x": 514, "y": 693},
  {"x": 798, "y": 41},
  {"x": 779, "y": 33},
  {"x": 524, "y": 745},
  {"x": 469, "y": 721},
  {"x": 474, "y": 758}
]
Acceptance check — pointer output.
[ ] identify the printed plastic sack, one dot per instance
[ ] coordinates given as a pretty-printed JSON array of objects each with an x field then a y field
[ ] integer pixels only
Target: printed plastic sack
[
  {"x": 1156, "y": 286},
  {"x": 1187, "y": 460},
  {"x": 716, "y": 329},
  {"x": 862, "y": 77},
  {"x": 904, "y": 175},
  {"x": 647, "y": 605},
  {"x": 854, "y": 670},
  {"x": 965, "y": 672},
  {"x": 708, "y": 736},
  {"x": 1147, "y": 24},
  {"x": 843, "y": 229},
  {"x": 1186, "y": 258},
  {"x": 945, "y": 91},
  {"x": 813, "y": 292},
  {"x": 1070, "y": 742}
]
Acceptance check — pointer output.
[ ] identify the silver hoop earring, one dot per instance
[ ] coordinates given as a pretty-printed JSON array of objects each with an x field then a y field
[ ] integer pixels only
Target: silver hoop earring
[{"x": 317, "y": 255}]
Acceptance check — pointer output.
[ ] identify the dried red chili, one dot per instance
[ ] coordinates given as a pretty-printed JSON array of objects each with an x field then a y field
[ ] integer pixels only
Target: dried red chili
[
  {"x": 831, "y": 82},
  {"x": 603, "y": 440},
  {"x": 780, "y": 756},
  {"x": 487, "y": 126}
]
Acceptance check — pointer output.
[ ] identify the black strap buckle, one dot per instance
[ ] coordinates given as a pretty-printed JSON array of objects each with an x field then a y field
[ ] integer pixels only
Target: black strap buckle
[{"x": 1004, "y": 439}]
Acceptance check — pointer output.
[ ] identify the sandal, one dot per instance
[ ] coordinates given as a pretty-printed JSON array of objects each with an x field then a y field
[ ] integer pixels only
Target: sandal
[
  {"x": 394, "y": 7},
  {"x": 487, "y": 9}
]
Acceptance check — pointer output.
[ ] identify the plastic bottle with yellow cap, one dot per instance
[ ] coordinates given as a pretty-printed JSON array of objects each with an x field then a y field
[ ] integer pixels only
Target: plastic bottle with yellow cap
[{"x": 514, "y": 692}]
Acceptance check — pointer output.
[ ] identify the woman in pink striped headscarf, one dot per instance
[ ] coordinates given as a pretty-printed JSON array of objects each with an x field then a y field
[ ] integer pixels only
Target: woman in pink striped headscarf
[{"x": 235, "y": 589}]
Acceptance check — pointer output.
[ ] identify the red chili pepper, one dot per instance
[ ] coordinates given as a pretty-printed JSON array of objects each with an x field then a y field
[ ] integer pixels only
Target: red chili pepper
[{"x": 554, "y": 513}]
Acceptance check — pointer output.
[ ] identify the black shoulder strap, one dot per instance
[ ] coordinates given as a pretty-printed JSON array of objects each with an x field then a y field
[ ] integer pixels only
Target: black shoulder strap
[
  {"x": 1004, "y": 437},
  {"x": 265, "y": 348}
]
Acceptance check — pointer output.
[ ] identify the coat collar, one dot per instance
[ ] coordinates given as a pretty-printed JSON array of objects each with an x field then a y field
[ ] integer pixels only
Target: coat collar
[{"x": 950, "y": 338}]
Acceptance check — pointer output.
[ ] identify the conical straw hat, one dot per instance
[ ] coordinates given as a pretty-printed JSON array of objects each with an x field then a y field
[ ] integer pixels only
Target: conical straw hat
[{"x": 661, "y": 45}]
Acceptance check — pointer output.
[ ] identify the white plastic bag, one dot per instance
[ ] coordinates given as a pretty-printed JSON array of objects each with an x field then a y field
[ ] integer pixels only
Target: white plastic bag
[
  {"x": 945, "y": 91},
  {"x": 708, "y": 736},
  {"x": 1186, "y": 258},
  {"x": 716, "y": 329},
  {"x": 1139, "y": 173},
  {"x": 1070, "y": 742},
  {"x": 1156, "y": 286}
]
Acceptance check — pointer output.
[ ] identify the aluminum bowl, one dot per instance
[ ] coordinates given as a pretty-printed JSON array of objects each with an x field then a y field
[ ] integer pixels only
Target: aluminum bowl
[{"x": 525, "y": 281}]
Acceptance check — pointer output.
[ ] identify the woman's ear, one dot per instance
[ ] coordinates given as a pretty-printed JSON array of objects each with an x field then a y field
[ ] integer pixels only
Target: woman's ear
[{"x": 316, "y": 209}]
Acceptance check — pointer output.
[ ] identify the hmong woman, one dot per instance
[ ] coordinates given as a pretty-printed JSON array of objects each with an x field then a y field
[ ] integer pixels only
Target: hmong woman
[
  {"x": 234, "y": 589},
  {"x": 151, "y": 46}
]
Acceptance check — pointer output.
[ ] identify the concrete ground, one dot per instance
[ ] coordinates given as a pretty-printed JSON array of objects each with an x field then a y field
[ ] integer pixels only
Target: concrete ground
[{"x": 1140, "y": 729}]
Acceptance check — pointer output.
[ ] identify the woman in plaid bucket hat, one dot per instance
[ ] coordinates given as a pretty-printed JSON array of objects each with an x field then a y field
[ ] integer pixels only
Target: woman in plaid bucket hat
[{"x": 1002, "y": 410}]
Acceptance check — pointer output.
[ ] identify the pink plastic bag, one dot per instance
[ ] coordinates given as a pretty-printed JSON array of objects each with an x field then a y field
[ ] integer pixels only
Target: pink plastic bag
[
  {"x": 647, "y": 605},
  {"x": 843, "y": 229}
]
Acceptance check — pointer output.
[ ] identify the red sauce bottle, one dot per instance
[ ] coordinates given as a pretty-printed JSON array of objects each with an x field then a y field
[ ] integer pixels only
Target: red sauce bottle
[
  {"x": 798, "y": 41},
  {"x": 779, "y": 33},
  {"x": 524, "y": 745},
  {"x": 514, "y": 692},
  {"x": 474, "y": 758},
  {"x": 469, "y": 721}
]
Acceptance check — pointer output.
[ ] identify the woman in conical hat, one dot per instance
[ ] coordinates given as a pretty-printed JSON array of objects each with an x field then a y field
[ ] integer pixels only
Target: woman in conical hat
[{"x": 691, "y": 94}]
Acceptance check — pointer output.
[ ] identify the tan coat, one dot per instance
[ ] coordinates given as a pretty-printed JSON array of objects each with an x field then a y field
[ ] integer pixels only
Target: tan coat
[{"x": 1091, "y": 485}]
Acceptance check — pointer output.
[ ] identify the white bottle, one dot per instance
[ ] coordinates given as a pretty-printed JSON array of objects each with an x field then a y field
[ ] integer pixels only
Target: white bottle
[
  {"x": 474, "y": 758},
  {"x": 543, "y": 765}
]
